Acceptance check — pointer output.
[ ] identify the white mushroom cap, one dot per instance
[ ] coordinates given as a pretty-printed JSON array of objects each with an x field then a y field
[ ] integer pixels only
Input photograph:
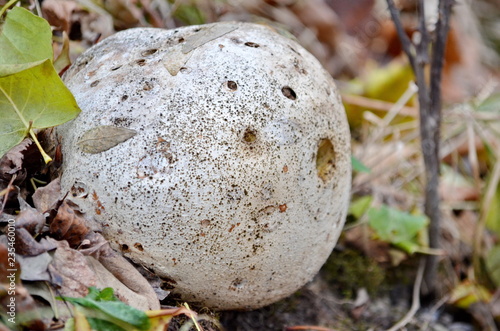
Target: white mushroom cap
[{"x": 236, "y": 184}]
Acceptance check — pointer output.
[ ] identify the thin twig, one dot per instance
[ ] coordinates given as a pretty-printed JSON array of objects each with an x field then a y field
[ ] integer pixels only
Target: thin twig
[
  {"x": 415, "y": 304},
  {"x": 433, "y": 310},
  {"x": 375, "y": 104},
  {"x": 406, "y": 43},
  {"x": 7, "y": 6},
  {"x": 7, "y": 190}
]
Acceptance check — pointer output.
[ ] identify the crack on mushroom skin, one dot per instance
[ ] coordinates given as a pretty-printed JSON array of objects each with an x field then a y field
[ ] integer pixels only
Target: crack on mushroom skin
[{"x": 192, "y": 126}]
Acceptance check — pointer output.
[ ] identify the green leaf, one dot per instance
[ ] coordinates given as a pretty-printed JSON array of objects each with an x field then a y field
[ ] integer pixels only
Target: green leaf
[
  {"x": 98, "y": 324},
  {"x": 25, "y": 41},
  {"x": 36, "y": 94},
  {"x": 467, "y": 293},
  {"x": 493, "y": 213},
  {"x": 358, "y": 166},
  {"x": 189, "y": 14},
  {"x": 396, "y": 227},
  {"x": 359, "y": 206},
  {"x": 102, "y": 307},
  {"x": 493, "y": 264}
]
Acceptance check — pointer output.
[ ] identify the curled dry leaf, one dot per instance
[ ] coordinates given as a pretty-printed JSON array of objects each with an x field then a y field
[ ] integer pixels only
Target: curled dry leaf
[
  {"x": 69, "y": 224},
  {"x": 156, "y": 282},
  {"x": 117, "y": 265},
  {"x": 73, "y": 273},
  {"x": 104, "y": 137},
  {"x": 47, "y": 197},
  {"x": 70, "y": 269},
  {"x": 28, "y": 246},
  {"x": 106, "y": 279},
  {"x": 29, "y": 218},
  {"x": 12, "y": 162}
]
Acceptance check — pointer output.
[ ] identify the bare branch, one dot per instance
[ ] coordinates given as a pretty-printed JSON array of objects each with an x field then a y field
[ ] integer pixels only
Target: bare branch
[
  {"x": 429, "y": 97},
  {"x": 406, "y": 43}
]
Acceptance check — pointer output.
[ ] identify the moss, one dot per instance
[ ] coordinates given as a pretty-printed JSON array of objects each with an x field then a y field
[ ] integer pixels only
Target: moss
[{"x": 348, "y": 271}]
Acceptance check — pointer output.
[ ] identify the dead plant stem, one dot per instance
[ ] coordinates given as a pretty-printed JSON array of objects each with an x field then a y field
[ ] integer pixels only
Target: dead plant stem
[{"x": 429, "y": 97}]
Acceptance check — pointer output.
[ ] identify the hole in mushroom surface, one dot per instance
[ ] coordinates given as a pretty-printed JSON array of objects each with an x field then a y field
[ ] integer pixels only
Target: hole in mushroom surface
[
  {"x": 116, "y": 68},
  {"x": 249, "y": 136},
  {"x": 325, "y": 160},
  {"x": 251, "y": 44},
  {"x": 141, "y": 62},
  {"x": 139, "y": 247},
  {"x": 124, "y": 247},
  {"x": 94, "y": 83},
  {"x": 289, "y": 93},
  {"x": 79, "y": 190},
  {"x": 149, "y": 52},
  {"x": 232, "y": 85},
  {"x": 236, "y": 284}
]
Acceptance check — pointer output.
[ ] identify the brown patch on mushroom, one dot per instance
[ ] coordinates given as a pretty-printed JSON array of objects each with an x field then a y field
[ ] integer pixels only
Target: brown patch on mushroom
[
  {"x": 139, "y": 247},
  {"x": 249, "y": 136}
]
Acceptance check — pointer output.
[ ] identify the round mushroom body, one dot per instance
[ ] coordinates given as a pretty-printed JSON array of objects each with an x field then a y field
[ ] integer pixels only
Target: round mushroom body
[{"x": 217, "y": 156}]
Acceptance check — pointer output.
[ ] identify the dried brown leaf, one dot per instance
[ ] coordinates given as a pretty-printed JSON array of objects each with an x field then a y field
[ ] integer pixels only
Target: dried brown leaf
[
  {"x": 29, "y": 218},
  {"x": 125, "y": 13},
  {"x": 104, "y": 137},
  {"x": 175, "y": 59},
  {"x": 359, "y": 237},
  {"x": 69, "y": 224},
  {"x": 321, "y": 18},
  {"x": 70, "y": 268},
  {"x": 106, "y": 279},
  {"x": 58, "y": 13},
  {"x": 12, "y": 162},
  {"x": 120, "y": 268},
  {"x": 207, "y": 34},
  {"x": 28, "y": 246},
  {"x": 35, "y": 268},
  {"x": 46, "y": 197}
]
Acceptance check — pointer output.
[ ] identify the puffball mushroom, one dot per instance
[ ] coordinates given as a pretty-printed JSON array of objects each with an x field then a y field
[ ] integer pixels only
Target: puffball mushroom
[{"x": 217, "y": 156}]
